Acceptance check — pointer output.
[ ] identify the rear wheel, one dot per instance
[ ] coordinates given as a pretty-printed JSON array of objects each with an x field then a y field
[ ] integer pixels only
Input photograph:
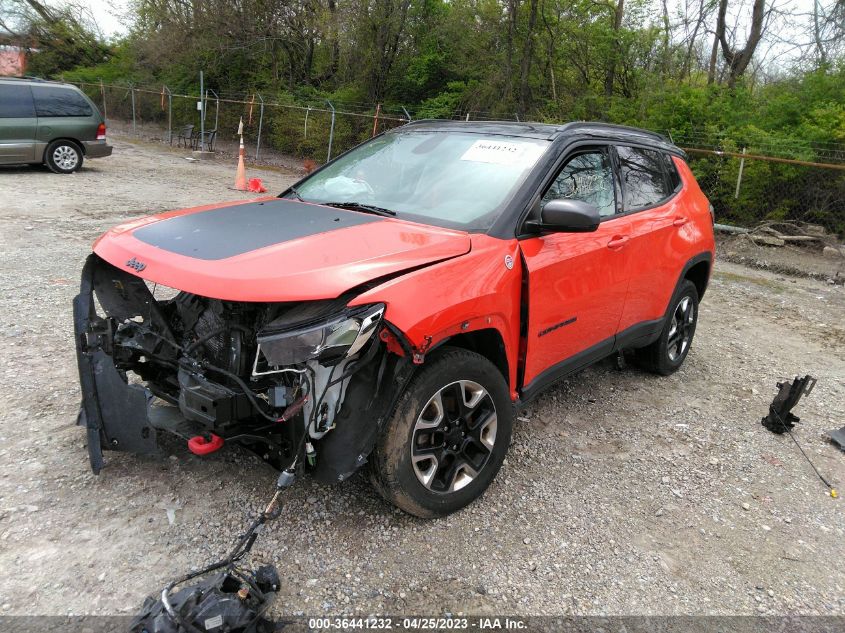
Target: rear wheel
[
  {"x": 447, "y": 438},
  {"x": 667, "y": 353},
  {"x": 63, "y": 157}
]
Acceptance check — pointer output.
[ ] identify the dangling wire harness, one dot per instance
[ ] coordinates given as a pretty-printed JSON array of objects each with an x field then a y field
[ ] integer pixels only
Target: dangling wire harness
[{"x": 242, "y": 548}]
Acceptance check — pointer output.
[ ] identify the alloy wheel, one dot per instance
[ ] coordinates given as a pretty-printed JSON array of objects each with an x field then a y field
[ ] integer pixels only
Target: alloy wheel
[
  {"x": 65, "y": 157},
  {"x": 680, "y": 334},
  {"x": 453, "y": 436}
]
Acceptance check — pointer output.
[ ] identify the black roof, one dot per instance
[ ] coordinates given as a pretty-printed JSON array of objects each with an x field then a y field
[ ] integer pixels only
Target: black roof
[{"x": 548, "y": 131}]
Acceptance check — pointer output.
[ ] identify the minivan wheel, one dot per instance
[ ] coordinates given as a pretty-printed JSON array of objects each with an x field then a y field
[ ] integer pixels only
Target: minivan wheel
[
  {"x": 667, "y": 353},
  {"x": 63, "y": 157},
  {"x": 448, "y": 436}
]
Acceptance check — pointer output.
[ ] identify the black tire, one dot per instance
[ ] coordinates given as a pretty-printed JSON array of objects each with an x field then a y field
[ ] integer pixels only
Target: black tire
[
  {"x": 457, "y": 445},
  {"x": 668, "y": 353},
  {"x": 63, "y": 157}
]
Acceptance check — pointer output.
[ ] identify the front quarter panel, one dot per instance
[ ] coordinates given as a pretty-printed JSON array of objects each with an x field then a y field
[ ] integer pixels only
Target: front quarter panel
[{"x": 472, "y": 292}]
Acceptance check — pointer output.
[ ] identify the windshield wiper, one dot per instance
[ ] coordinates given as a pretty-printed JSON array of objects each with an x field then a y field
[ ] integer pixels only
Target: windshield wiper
[
  {"x": 295, "y": 193},
  {"x": 360, "y": 206}
]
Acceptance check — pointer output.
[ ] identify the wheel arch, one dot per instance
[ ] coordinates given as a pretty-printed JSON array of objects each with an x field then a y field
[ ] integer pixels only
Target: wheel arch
[
  {"x": 699, "y": 274},
  {"x": 68, "y": 139},
  {"x": 697, "y": 270},
  {"x": 487, "y": 342}
]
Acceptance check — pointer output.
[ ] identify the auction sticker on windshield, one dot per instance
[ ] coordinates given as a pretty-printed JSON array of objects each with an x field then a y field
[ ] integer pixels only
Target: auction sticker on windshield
[{"x": 503, "y": 152}]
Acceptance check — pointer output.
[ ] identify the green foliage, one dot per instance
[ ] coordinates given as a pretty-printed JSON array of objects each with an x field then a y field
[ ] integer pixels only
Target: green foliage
[
  {"x": 120, "y": 67},
  {"x": 546, "y": 60}
]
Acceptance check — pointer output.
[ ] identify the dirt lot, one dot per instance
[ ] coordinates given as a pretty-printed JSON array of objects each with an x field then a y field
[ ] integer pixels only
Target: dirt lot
[{"x": 623, "y": 493}]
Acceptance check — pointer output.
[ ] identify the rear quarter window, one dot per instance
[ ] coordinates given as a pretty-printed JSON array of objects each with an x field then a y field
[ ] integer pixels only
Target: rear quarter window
[
  {"x": 59, "y": 101},
  {"x": 672, "y": 172},
  {"x": 15, "y": 102}
]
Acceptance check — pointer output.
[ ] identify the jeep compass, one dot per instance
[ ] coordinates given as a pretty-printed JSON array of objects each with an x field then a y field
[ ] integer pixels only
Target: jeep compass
[{"x": 394, "y": 307}]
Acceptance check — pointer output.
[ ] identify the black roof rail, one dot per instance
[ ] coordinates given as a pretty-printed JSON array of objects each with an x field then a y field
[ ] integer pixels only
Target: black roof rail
[{"x": 611, "y": 127}]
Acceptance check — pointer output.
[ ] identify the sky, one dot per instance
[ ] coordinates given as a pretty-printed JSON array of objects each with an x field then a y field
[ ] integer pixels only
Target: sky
[
  {"x": 110, "y": 16},
  {"x": 108, "y": 12}
]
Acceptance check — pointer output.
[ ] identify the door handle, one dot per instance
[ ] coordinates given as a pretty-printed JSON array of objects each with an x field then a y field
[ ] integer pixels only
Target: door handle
[
  {"x": 617, "y": 242},
  {"x": 679, "y": 221}
]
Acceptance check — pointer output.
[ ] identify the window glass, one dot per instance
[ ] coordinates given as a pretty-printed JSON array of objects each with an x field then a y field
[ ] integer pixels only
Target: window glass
[
  {"x": 643, "y": 181},
  {"x": 15, "y": 102},
  {"x": 587, "y": 177},
  {"x": 672, "y": 172},
  {"x": 450, "y": 179},
  {"x": 59, "y": 101}
]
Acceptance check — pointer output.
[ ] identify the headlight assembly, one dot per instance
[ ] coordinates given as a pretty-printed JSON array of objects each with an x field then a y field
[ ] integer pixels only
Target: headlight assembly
[{"x": 328, "y": 342}]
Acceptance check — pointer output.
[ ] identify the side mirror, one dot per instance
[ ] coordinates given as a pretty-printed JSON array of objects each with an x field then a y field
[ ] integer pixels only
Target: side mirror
[{"x": 569, "y": 216}]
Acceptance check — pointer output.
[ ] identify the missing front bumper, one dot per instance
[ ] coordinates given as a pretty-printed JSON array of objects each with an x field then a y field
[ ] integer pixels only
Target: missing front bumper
[{"x": 115, "y": 414}]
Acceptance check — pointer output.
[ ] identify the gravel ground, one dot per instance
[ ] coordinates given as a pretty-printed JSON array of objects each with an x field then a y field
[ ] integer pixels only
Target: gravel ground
[
  {"x": 623, "y": 493},
  {"x": 795, "y": 260}
]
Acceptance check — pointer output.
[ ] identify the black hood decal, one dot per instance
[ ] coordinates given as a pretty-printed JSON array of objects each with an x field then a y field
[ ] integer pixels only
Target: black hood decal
[{"x": 240, "y": 228}]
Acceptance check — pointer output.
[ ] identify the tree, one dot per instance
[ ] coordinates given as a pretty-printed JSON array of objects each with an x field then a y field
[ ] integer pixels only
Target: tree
[
  {"x": 57, "y": 39},
  {"x": 737, "y": 59}
]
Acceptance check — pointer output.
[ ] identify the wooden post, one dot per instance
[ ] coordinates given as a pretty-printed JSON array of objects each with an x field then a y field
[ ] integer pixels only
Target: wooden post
[{"x": 375, "y": 119}]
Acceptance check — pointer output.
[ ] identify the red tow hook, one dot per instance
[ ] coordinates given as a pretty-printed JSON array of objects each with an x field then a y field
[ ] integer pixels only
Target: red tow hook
[{"x": 198, "y": 445}]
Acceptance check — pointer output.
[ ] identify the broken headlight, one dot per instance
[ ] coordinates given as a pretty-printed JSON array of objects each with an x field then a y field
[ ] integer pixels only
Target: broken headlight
[{"x": 327, "y": 342}]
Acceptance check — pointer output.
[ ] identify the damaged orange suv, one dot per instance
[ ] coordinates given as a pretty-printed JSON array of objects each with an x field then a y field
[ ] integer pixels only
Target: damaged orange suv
[{"x": 393, "y": 307}]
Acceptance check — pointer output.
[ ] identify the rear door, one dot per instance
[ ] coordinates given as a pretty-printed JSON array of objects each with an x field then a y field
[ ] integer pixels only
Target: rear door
[
  {"x": 17, "y": 123},
  {"x": 576, "y": 281},
  {"x": 649, "y": 197},
  {"x": 63, "y": 113}
]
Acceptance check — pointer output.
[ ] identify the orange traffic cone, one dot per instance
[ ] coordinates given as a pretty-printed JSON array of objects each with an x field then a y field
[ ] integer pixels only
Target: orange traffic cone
[{"x": 240, "y": 177}]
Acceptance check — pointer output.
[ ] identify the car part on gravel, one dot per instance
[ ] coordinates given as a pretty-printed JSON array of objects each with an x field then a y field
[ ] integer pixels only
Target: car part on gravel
[
  {"x": 781, "y": 419},
  {"x": 233, "y": 600},
  {"x": 837, "y": 436}
]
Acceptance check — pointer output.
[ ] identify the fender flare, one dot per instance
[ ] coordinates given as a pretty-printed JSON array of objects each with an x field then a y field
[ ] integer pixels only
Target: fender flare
[{"x": 706, "y": 256}]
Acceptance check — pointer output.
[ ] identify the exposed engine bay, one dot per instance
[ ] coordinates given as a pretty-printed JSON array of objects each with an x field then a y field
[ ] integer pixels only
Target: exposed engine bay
[{"x": 279, "y": 378}]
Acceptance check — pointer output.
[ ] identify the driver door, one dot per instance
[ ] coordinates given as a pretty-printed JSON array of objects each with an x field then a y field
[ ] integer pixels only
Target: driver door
[{"x": 577, "y": 282}]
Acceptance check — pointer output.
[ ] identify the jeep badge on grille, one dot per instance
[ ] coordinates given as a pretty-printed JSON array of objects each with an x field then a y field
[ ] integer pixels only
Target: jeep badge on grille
[{"x": 138, "y": 266}]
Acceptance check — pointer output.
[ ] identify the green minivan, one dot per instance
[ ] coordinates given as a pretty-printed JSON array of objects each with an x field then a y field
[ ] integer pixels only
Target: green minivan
[{"x": 49, "y": 122}]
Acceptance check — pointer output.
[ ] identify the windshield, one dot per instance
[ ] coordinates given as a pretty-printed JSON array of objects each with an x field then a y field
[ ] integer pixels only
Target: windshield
[{"x": 450, "y": 179}]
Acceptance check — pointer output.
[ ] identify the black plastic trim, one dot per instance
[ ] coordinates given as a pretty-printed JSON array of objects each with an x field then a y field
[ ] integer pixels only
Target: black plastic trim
[{"x": 701, "y": 257}]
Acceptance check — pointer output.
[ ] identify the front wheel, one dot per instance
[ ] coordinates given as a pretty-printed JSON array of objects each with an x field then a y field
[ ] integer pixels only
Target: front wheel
[
  {"x": 63, "y": 157},
  {"x": 667, "y": 353},
  {"x": 447, "y": 438}
]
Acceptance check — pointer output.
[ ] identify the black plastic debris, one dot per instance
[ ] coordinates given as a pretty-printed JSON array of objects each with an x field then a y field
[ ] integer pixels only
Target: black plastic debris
[
  {"x": 838, "y": 437},
  {"x": 233, "y": 601},
  {"x": 781, "y": 419}
]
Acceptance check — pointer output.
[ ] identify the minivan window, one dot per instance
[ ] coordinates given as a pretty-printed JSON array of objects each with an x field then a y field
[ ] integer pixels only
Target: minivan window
[
  {"x": 15, "y": 102},
  {"x": 643, "y": 181},
  {"x": 59, "y": 101}
]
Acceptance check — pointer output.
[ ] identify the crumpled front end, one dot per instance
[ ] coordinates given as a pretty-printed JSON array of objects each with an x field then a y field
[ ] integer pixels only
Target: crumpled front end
[
  {"x": 298, "y": 382},
  {"x": 115, "y": 413}
]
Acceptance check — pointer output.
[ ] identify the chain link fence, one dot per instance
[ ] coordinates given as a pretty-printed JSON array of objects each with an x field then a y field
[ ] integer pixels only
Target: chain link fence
[
  {"x": 789, "y": 193},
  {"x": 748, "y": 189},
  {"x": 314, "y": 131}
]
